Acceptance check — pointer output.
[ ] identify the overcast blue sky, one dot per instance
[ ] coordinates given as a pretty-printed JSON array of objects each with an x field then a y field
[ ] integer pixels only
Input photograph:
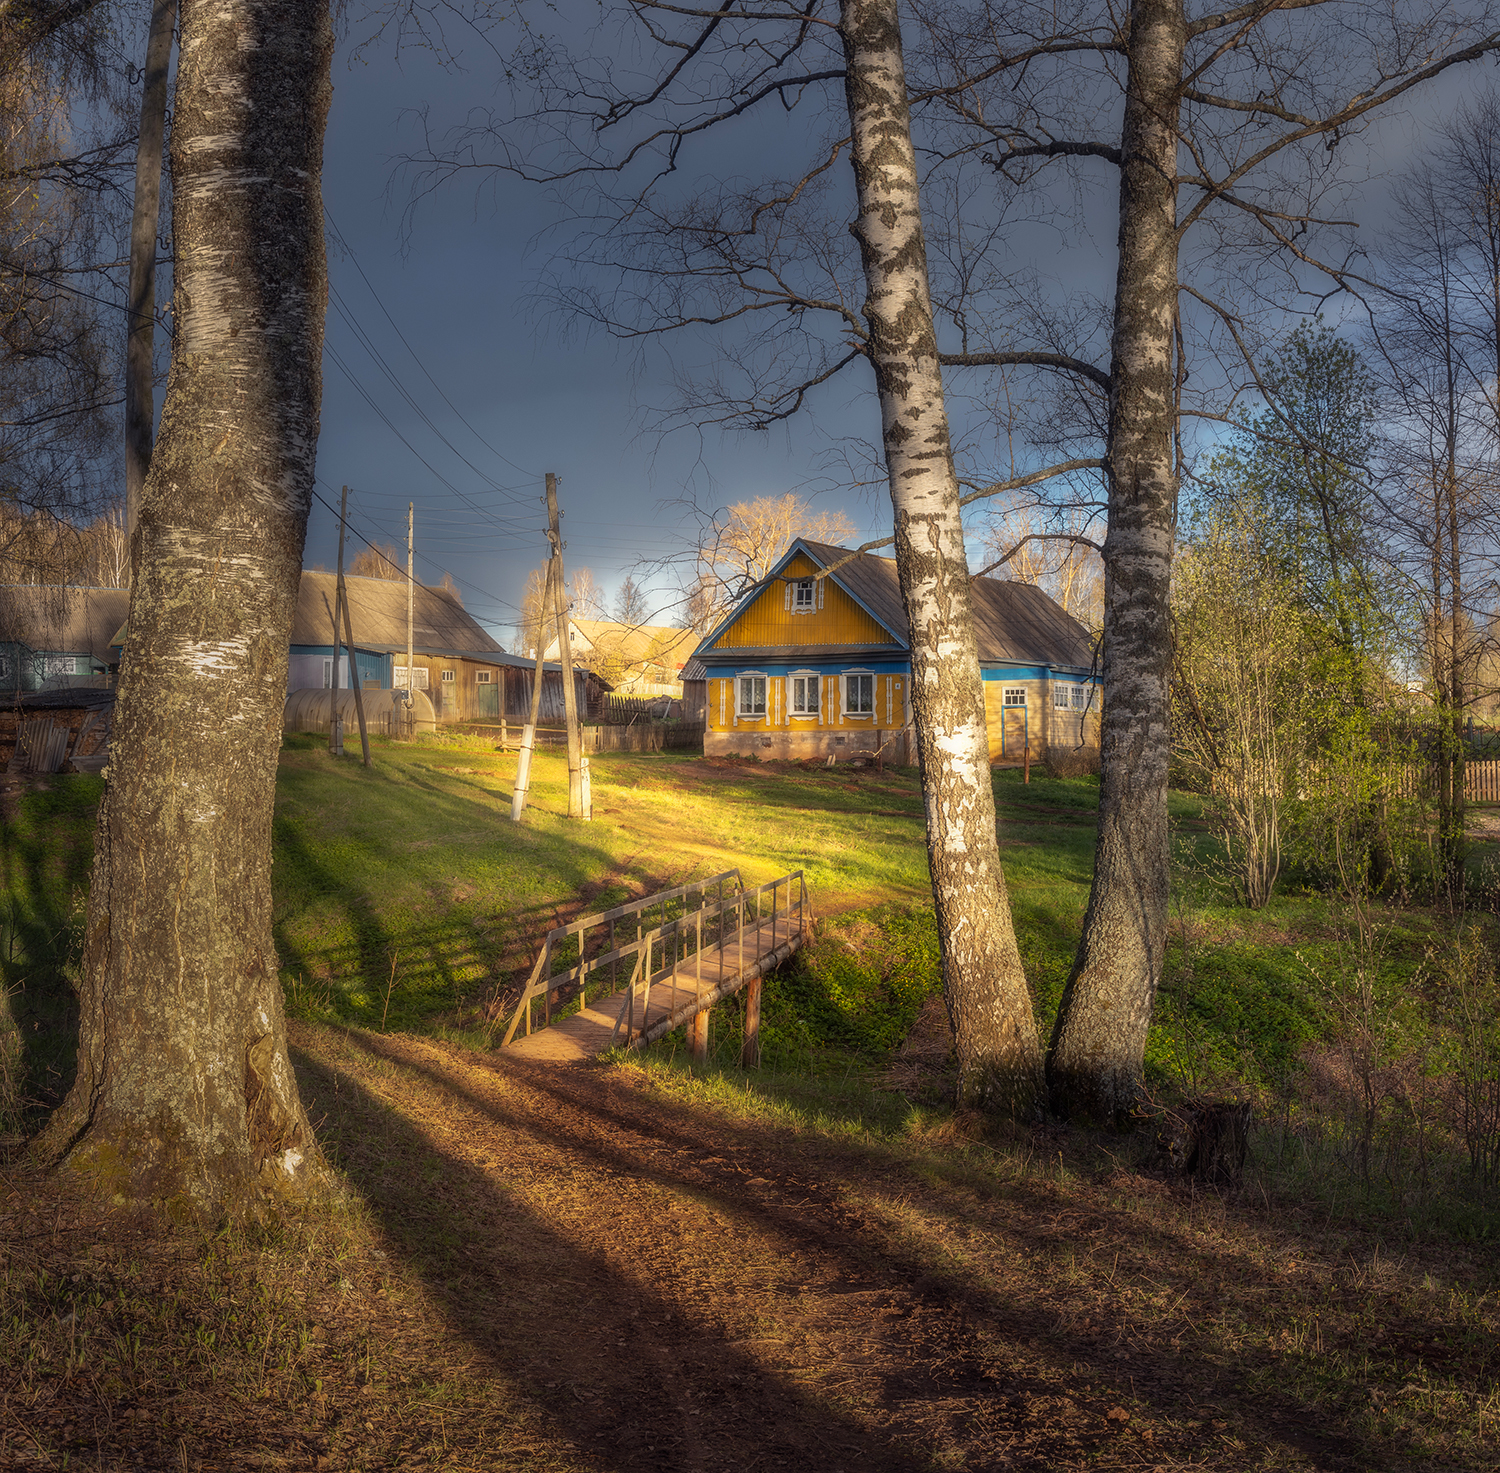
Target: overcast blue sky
[
  {"x": 512, "y": 396},
  {"x": 442, "y": 291}
]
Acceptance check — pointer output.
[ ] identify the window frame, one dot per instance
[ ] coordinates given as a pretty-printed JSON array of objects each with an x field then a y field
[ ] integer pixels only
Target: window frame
[
  {"x": 741, "y": 678},
  {"x": 813, "y": 681},
  {"x": 809, "y": 604},
  {"x": 1007, "y": 691},
  {"x": 448, "y": 677},
  {"x": 484, "y": 677},
  {"x": 1063, "y": 695},
  {"x": 849, "y": 713}
]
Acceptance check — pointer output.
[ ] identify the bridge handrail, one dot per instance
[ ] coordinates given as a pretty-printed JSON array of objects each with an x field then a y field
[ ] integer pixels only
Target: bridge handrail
[
  {"x": 631, "y": 907},
  {"x": 544, "y": 982},
  {"x": 636, "y": 984}
]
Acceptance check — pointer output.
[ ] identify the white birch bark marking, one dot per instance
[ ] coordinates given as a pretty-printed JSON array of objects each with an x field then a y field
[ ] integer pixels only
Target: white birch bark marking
[{"x": 983, "y": 982}]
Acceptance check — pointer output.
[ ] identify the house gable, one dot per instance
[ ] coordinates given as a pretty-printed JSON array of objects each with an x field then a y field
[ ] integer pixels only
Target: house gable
[{"x": 771, "y": 619}]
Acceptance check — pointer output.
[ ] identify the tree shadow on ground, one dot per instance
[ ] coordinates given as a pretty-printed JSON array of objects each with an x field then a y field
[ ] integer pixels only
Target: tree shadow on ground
[
  {"x": 429, "y": 965},
  {"x": 995, "y": 1362},
  {"x": 631, "y": 1376}
]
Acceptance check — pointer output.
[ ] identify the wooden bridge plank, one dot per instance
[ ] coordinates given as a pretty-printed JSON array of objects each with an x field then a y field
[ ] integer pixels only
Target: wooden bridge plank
[{"x": 591, "y": 1030}]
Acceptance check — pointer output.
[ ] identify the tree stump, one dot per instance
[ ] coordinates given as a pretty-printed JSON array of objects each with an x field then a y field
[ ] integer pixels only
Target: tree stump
[{"x": 1208, "y": 1140}]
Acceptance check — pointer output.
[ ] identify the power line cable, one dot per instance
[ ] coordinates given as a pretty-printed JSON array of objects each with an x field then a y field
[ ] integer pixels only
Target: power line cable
[
  {"x": 378, "y": 358},
  {"x": 385, "y": 419},
  {"x": 484, "y": 593},
  {"x": 343, "y": 241}
]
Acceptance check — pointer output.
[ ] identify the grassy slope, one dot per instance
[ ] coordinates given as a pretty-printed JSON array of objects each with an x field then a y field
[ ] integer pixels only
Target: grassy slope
[{"x": 404, "y": 896}]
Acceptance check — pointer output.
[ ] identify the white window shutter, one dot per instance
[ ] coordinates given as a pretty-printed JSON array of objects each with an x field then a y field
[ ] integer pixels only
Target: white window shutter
[
  {"x": 821, "y": 582},
  {"x": 786, "y": 603}
]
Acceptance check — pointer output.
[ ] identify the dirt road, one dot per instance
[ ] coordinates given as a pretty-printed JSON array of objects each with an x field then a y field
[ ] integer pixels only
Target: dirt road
[{"x": 674, "y": 1289}]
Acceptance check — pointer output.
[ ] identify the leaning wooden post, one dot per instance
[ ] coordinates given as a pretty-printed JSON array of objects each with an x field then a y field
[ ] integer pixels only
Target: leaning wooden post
[
  {"x": 359, "y": 695},
  {"x": 528, "y": 737},
  {"x": 700, "y": 1036},
  {"x": 750, "y": 1051},
  {"x": 565, "y": 656},
  {"x": 343, "y": 594}
]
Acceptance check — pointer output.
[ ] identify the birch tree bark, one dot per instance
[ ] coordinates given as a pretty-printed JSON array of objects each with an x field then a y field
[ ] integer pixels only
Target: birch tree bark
[
  {"x": 1094, "y": 1066},
  {"x": 184, "y": 1095},
  {"x": 983, "y": 981}
]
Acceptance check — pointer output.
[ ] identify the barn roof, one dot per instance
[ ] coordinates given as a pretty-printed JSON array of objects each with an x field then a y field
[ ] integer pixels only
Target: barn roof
[
  {"x": 633, "y": 644},
  {"x": 377, "y": 615},
  {"x": 66, "y": 620}
]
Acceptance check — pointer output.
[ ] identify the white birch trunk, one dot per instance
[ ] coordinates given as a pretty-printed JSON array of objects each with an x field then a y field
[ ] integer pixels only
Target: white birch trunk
[
  {"x": 184, "y": 1095},
  {"x": 983, "y": 982},
  {"x": 1094, "y": 1067}
]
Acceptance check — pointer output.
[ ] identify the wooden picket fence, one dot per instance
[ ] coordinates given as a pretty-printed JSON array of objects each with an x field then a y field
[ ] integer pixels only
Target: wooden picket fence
[
  {"x": 617, "y": 710},
  {"x": 1481, "y": 781}
]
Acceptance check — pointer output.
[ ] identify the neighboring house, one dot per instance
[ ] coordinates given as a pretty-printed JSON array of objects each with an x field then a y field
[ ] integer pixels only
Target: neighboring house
[
  {"x": 466, "y": 674},
  {"x": 814, "y": 667},
  {"x": 56, "y": 638},
  {"x": 634, "y": 659}
]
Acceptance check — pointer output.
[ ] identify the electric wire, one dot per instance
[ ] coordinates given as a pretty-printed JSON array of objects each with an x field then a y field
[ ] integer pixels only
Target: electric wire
[
  {"x": 349, "y": 522},
  {"x": 333, "y": 354},
  {"x": 354, "y": 260}
]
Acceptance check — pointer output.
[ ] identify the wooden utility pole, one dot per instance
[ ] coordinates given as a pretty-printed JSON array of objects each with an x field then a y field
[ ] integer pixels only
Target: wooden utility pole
[
  {"x": 565, "y": 653},
  {"x": 411, "y": 589},
  {"x": 140, "y": 331},
  {"x": 528, "y": 737},
  {"x": 343, "y": 598},
  {"x": 335, "y": 716}
]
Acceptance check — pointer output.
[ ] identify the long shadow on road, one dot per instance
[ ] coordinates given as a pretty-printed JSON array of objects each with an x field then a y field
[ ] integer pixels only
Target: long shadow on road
[
  {"x": 633, "y": 1376},
  {"x": 607, "y": 1271}
]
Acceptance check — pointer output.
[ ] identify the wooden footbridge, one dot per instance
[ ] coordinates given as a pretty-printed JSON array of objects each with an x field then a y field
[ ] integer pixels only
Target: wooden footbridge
[{"x": 635, "y": 981}]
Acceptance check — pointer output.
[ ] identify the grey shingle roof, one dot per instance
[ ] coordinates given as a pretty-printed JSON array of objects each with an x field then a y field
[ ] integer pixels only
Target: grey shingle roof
[
  {"x": 1013, "y": 622},
  {"x": 377, "y": 614},
  {"x": 68, "y": 620}
]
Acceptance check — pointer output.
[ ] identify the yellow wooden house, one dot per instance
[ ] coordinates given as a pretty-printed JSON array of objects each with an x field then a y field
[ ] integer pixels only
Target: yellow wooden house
[{"x": 809, "y": 666}]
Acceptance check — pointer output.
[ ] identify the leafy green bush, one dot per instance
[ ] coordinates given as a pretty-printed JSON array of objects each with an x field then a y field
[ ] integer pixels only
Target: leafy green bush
[{"x": 857, "y": 987}]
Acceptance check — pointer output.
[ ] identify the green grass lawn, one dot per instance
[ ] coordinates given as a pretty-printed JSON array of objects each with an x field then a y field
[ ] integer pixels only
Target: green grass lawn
[{"x": 406, "y": 899}]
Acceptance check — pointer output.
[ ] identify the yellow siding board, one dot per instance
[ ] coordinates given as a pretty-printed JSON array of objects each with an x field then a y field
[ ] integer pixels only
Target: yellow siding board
[{"x": 769, "y": 623}]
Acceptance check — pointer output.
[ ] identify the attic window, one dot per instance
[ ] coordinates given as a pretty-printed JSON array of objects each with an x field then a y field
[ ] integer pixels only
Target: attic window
[{"x": 803, "y": 595}]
